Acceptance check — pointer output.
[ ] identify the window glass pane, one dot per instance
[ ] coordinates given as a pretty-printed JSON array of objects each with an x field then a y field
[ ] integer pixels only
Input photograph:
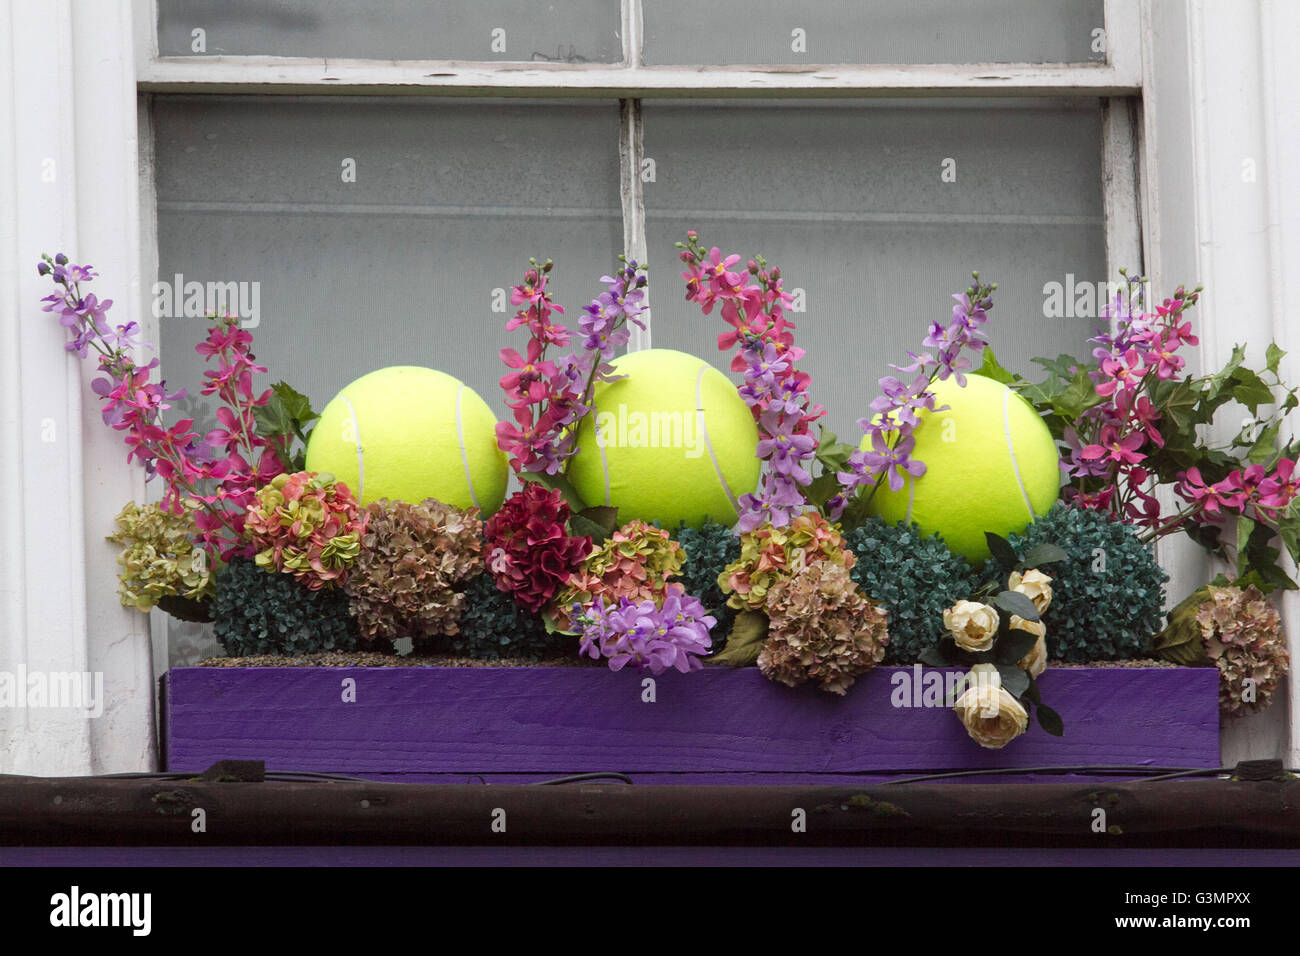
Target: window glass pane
[
  {"x": 571, "y": 31},
  {"x": 400, "y": 267},
  {"x": 855, "y": 205},
  {"x": 874, "y": 31}
]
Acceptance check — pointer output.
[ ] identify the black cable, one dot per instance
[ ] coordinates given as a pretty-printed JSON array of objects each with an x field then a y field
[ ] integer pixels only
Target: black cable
[
  {"x": 1178, "y": 771},
  {"x": 575, "y": 778}
]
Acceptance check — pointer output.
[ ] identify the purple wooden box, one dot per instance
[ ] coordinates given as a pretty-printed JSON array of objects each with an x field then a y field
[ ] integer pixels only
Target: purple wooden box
[{"x": 719, "y": 725}]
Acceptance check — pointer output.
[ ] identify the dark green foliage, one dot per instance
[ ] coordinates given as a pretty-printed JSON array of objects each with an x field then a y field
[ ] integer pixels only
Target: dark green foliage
[
  {"x": 262, "y": 612},
  {"x": 916, "y": 577},
  {"x": 709, "y": 549},
  {"x": 493, "y": 626},
  {"x": 1107, "y": 596}
]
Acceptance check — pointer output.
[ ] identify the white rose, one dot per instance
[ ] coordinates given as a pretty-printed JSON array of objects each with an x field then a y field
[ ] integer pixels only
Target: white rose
[
  {"x": 1033, "y": 584},
  {"x": 1035, "y": 662},
  {"x": 989, "y": 713},
  {"x": 972, "y": 625}
]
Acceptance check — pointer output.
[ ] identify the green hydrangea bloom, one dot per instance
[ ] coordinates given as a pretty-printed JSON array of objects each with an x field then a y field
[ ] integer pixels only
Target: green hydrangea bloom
[{"x": 158, "y": 556}]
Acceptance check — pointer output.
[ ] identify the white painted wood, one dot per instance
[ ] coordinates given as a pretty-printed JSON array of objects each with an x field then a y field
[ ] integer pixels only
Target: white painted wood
[
  {"x": 1121, "y": 196},
  {"x": 630, "y": 152},
  {"x": 262, "y": 74},
  {"x": 67, "y": 88},
  {"x": 1219, "y": 109}
]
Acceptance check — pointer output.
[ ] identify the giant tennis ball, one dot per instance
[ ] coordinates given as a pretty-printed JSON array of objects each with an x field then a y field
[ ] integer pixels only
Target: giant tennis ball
[
  {"x": 408, "y": 433},
  {"x": 991, "y": 465},
  {"x": 672, "y": 442}
]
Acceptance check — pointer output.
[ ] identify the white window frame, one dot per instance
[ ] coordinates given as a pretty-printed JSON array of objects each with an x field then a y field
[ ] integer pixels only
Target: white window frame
[{"x": 1158, "y": 209}]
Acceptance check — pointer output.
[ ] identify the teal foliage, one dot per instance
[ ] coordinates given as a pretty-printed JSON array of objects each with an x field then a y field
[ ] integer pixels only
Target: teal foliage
[
  {"x": 709, "y": 549},
  {"x": 493, "y": 626},
  {"x": 268, "y": 612},
  {"x": 1107, "y": 598},
  {"x": 914, "y": 576}
]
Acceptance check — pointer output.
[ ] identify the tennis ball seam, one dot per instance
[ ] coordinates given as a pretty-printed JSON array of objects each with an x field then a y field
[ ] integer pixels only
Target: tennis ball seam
[
  {"x": 708, "y": 442},
  {"x": 1011, "y": 449},
  {"x": 464, "y": 455},
  {"x": 604, "y": 460},
  {"x": 361, "y": 452}
]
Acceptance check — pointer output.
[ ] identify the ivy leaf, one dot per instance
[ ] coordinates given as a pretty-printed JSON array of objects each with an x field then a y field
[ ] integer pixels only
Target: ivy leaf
[
  {"x": 1043, "y": 554},
  {"x": 1002, "y": 550},
  {"x": 1050, "y": 721},
  {"x": 581, "y": 526},
  {"x": 1262, "y": 450},
  {"x": 1216, "y": 383},
  {"x": 603, "y": 515},
  {"x": 1179, "y": 404},
  {"x": 1288, "y": 529},
  {"x": 1273, "y": 357},
  {"x": 1249, "y": 389},
  {"x": 994, "y": 370},
  {"x": 1013, "y": 602},
  {"x": 1245, "y": 527},
  {"x": 746, "y": 640}
]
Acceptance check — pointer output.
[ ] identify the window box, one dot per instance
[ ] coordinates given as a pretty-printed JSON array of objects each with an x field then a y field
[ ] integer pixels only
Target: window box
[{"x": 716, "y": 726}]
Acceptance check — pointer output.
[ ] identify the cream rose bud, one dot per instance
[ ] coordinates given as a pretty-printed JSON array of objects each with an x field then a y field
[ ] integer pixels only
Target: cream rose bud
[
  {"x": 1033, "y": 584},
  {"x": 1035, "y": 662},
  {"x": 972, "y": 625},
  {"x": 990, "y": 714}
]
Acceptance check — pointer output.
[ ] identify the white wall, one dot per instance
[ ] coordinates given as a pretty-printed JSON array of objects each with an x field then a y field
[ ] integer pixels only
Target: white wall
[
  {"x": 1221, "y": 120},
  {"x": 67, "y": 111}
]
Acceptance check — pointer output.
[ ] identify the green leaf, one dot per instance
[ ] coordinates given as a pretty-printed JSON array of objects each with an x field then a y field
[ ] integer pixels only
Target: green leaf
[
  {"x": 1014, "y": 679},
  {"x": 1014, "y": 646},
  {"x": 1044, "y": 554},
  {"x": 1245, "y": 527},
  {"x": 746, "y": 641},
  {"x": 1050, "y": 721},
  {"x": 1249, "y": 389},
  {"x": 992, "y": 369},
  {"x": 1288, "y": 529},
  {"x": 1219, "y": 381},
  {"x": 1003, "y": 553},
  {"x": 1013, "y": 602},
  {"x": 1032, "y": 695},
  {"x": 1262, "y": 450},
  {"x": 1179, "y": 403},
  {"x": 582, "y": 526},
  {"x": 1273, "y": 357},
  {"x": 934, "y": 656},
  {"x": 603, "y": 515}
]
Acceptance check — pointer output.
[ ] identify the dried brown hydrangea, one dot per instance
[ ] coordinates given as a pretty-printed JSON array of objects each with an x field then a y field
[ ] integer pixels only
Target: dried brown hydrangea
[
  {"x": 1242, "y": 633},
  {"x": 415, "y": 558},
  {"x": 822, "y": 629}
]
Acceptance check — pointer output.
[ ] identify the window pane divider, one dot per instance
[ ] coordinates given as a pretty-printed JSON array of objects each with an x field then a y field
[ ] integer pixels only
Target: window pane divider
[{"x": 264, "y": 74}]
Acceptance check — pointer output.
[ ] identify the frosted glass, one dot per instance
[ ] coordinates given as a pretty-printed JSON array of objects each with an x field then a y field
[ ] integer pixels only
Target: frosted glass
[
  {"x": 399, "y": 267},
  {"x": 873, "y": 31},
  {"x": 571, "y": 31},
  {"x": 850, "y": 201}
]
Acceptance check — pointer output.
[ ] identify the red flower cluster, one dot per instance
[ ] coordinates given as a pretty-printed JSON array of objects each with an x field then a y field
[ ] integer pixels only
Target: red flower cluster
[{"x": 530, "y": 553}]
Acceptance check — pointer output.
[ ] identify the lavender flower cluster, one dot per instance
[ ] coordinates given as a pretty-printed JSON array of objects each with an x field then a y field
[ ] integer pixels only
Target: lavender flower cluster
[
  {"x": 894, "y": 416},
  {"x": 645, "y": 634}
]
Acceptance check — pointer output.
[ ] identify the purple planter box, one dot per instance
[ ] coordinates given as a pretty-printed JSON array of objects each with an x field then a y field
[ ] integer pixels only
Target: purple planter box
[{"x": 719, "y": 725}]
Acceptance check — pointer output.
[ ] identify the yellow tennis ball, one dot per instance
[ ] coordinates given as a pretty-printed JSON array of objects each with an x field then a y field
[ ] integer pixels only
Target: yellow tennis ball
[
  {"x": 408, "y": 433},
  {"x": 672, "y": 442},
  {"x": 991, "y": 465}
]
